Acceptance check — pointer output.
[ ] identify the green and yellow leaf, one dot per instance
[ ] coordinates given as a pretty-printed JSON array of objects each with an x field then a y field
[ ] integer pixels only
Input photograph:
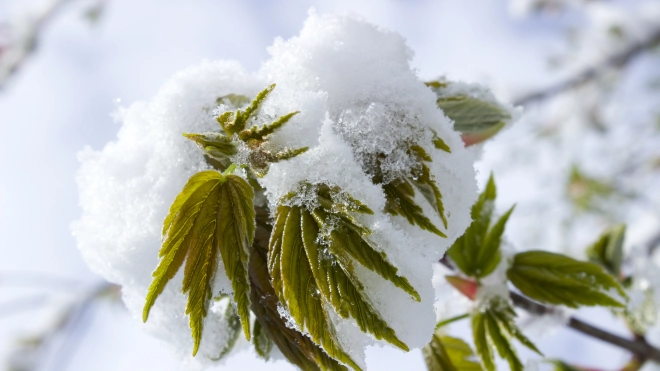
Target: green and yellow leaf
[
  {"x": 400, "y": 194},
  {"x": 262, "y": 342},
  {"x": 446, "y": 353},
  {"x": 311, "y": 257},
  {"x": 477, "y": 120},
  {"x": 477, "y": 252},
  {"x": 558, "y": 279},
  {"x": 299, "y": 349},
  {"x": 212, "y": 217},
  {"x": 608, "y": 250},
  {"x": 493, "y": 328}
]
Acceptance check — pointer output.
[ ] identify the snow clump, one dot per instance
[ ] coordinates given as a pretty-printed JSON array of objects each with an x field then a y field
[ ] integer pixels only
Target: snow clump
[{"x": 361, "y": 108}]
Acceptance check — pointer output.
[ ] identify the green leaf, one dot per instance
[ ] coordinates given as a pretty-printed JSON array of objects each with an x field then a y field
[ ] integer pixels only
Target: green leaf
[
  {"x": 261, "y": 132},
  {"x": 440, "y": 144},
  {"x": 557, "y": 279},
  {"x": 262, "y": 342},
  {"x": 494, "y": 327},
  {"x": 235, "y": 122},
  {"x": 212, "y": 216},
  {"x": 299, "y": 349},
  {"x": 400, "y": 194},
  {"x": 587, "y": 192},
  {"x": 446, "y": 353},
  {"x": 477, "y": 120},
  {"x": 296, "y": 287},
  {"x": 608, "y": 250},
  {"x": 311, "y": 257},
  {"x": 217, "y": 146},
  {"x": 400, "y": 201},
  {"x": 477, "y": 252},
  {"x": 232, "y": 324}
]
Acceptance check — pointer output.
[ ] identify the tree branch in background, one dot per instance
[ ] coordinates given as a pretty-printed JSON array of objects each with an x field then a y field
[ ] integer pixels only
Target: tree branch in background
[
  {"x": 639, "y": 346},
  {"x": 617, "y": 60},
  {"x": 19, "y": 39}
]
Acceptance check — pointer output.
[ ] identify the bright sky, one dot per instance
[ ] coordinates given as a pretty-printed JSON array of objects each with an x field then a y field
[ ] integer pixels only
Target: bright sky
[{"x": 64, "y": 97}]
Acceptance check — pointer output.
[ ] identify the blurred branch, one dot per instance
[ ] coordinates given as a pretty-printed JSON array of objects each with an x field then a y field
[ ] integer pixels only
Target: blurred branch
[
  {"x": 68, "y": 326},
  {"x": 16, "y": 49},
  {"x": 639, "y": 346},
  {"x": 617, "y": 60},
  {"x": 75, "y": 326}
]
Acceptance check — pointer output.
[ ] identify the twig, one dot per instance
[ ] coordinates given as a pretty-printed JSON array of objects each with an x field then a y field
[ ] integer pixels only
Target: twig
[
  {"x": 617, "y": 60},
  {"x": 639, "y": 346},
  {"x": 27, "y": 46}
]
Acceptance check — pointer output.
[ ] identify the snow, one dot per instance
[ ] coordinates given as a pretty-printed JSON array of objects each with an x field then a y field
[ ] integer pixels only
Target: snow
[{"x": 358, "y": 98}]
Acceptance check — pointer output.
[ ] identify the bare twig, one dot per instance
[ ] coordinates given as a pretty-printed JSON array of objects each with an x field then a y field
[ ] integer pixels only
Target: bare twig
[
  {"x": 13, "y": 57},
  {"x": 617, "y": 60},
  {"x": 639, "y": 346}
]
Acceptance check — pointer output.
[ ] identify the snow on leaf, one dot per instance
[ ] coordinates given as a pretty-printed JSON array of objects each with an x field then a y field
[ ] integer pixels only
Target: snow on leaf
[
  {"x": 311, "y": 257},
  {"x": 255, "y": 138},
  {"x": 213, "y": 215},
  {"x": 233, "y": 326},
  {"x": 476, "y": 119},
  {"x": 477, "y": 251},
  {"x": 400, "y": 194},
  {"x": 296, "y": 347},
  {"x": 558, "y": 279}
]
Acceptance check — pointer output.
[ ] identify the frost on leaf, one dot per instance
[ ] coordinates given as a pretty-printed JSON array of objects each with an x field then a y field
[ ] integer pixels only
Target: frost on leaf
[
  {"x": 224, "y": 147},
  {"x": 212, "y": 216},
  {"x": 311, "y": 256},
  {"x": 400, "y": 193},
  {"x": 296, "y": 347}
]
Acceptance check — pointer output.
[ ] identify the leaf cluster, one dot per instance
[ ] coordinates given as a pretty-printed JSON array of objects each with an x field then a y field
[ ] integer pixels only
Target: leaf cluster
[
  {"x": 446, "y": 353},
  {"x": 222, "y": 147},
  {"x": 494, "y": 328},
  {"x": 400, "y": 193},
  {"x": 477, "y": 252},
  {"x": 312, "y": 253}
]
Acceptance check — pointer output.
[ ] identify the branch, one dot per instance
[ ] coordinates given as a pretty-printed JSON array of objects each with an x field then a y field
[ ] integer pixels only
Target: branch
[
  {"x": 19, "y": 48},
  {"x": 617, "y": 60},
  {"x": 639, "y": 346}
]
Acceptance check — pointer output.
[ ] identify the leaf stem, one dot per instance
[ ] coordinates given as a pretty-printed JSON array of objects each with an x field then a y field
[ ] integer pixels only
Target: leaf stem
[
  {"x": 451, "y": 320},
  {"x": 619, "y": 60}
]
